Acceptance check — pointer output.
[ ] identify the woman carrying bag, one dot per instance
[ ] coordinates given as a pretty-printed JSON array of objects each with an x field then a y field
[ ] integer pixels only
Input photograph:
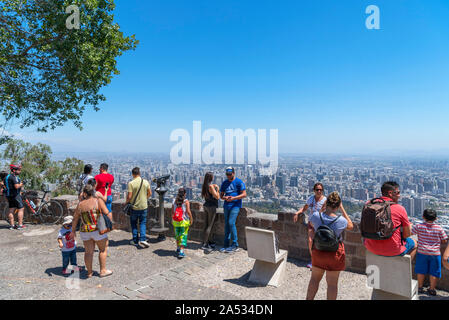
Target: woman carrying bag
[{"x": 90, "y": 211}]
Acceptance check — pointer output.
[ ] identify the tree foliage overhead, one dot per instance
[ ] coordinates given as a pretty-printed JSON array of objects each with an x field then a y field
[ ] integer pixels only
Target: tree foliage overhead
[{"x": 50, "y": 74}]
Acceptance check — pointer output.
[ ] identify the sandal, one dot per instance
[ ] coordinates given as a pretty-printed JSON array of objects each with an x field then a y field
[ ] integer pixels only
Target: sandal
[
  {"x": 431, "y": 292},
  {"x": 107, "y": 273}
]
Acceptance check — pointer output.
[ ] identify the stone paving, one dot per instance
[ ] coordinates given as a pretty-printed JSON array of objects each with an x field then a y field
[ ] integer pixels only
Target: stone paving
[{"x": 31, "y": 269}]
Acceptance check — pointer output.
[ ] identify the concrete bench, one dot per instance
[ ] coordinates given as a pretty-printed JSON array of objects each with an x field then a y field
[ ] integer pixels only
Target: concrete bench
[
  {"x": 392, "y": 277},
  {"x": 269, "y": 267}
]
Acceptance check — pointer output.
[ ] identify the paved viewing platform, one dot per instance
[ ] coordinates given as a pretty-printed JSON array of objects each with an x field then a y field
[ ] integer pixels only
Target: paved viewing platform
[{"x": 31, "y": 269}]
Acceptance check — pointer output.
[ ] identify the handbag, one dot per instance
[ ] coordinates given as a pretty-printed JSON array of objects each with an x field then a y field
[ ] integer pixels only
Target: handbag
[
  {"x": 104, "y": 224},
  {"x": 129, "y": 206}
]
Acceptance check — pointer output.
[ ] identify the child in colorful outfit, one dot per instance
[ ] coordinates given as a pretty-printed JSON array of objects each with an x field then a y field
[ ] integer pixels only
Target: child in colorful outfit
[
  {"x": 182, "y": 219},
  {"x": 67, "y": 245},
  {"x": 428, "y": 258}
]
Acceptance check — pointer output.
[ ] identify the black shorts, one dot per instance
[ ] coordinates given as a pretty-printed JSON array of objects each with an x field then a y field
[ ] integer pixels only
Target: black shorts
[{"x": 15, "y": 202}]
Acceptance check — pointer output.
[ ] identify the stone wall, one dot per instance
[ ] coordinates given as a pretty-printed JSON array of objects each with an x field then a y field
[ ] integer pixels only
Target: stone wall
[
  {"x": 68, "y": 203},
  {"x": 292, "y": 236}
]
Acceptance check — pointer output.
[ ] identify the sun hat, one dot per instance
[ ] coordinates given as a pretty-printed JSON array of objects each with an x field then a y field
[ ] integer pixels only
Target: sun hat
[{"x": 67, "y": 220}]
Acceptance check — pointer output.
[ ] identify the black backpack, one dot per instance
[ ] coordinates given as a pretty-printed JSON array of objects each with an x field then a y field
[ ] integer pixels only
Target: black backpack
[{"x": 325, "y": 238}]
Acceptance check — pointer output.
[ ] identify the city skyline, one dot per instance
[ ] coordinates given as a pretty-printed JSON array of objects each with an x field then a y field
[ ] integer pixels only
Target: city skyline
[{"x": 423, "y": 183}]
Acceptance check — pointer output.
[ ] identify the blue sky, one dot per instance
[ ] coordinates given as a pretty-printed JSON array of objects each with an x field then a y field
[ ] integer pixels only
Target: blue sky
[{"x": 310, "y": 69}]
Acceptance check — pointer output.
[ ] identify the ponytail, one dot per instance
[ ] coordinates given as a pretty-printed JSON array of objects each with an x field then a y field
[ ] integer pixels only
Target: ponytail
[{"x": 180, "y": 197}]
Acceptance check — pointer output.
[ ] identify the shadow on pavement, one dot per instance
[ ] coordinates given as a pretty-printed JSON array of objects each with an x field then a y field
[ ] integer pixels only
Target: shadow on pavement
[
  {"x": 243, "y": 281},
  {"x": 124, "y": 242},
  {"x": 165, "y": 253},
  {"x": 57, "y": 271},
  {"x": 298, "y": 263}
]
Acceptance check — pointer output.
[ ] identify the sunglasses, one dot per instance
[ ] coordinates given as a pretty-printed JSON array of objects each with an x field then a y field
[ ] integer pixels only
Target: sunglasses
[
  {"x": 229, "y": 174},
  {"x": 319, "y": 190}
]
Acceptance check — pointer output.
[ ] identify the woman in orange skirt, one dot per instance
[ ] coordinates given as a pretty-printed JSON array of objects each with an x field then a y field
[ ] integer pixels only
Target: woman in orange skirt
[{"x": 329, "y": 262}]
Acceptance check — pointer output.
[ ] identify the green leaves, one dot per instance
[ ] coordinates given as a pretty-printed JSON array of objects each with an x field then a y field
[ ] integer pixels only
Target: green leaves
[
  {"x": 49, "y": 74},
  {"x": 38, "y": 168}
]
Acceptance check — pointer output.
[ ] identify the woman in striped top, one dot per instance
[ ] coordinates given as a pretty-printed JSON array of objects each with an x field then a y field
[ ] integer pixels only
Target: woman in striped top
[{"x": 428, "y": 258}]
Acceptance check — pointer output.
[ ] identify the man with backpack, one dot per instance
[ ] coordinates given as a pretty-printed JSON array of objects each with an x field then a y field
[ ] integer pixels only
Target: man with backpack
[
  {"x": 139, "y": 191},
  {"x": 13, "y": 186},
  {"x": 381, "y": 222}
]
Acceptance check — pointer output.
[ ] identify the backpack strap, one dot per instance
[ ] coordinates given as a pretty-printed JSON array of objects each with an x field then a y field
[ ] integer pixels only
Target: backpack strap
[
  {"x": 334, "y": 220},
  {"x": 7, "y": 185},
  {"x": 392, "y": 203},
  {"x": 321, "y": 218},
  {"x": 322, "y": 221}
]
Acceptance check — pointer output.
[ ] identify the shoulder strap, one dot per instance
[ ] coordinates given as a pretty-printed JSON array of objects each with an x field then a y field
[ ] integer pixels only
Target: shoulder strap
[
  {"x": 335, "y": 219},
  {"x": 7, "y": 184},
  {"x": 97, "y": 207},
  {"x": 135, "y": 198},
  {"x": 322, "y": 221}
]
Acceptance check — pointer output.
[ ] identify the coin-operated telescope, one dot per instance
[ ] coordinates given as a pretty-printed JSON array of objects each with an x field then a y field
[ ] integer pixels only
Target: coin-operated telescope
[{"x": 161, "y": 189}]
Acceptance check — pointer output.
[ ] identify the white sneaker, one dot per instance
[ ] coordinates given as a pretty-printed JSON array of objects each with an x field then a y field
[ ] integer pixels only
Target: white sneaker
[{"x": 144, "y": 243}]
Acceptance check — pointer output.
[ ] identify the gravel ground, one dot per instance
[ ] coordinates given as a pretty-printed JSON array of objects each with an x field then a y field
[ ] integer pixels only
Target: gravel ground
[
  {"x": 31, "y": 263},
  {"x": 232, "y": 274}
]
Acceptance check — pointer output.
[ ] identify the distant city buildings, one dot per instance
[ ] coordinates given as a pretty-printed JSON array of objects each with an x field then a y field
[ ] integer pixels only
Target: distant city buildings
[{"x": 422, "y": 184}]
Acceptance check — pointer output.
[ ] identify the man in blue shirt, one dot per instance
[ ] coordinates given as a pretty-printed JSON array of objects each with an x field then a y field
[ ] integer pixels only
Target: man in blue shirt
[{"x": 232, "y": 191}]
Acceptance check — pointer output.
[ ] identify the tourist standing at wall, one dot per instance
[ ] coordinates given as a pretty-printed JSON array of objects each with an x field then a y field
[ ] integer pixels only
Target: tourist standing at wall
[
  {"x": 232, "y": 191},
  {"x": 13, "y": 187},
  {"x": 315, "y": 203},
  {"x": 182, "y": 219},
  {"x": 105, "y": 179},
  {"x": 211, "y": 193},
  {"x": 89, "y": 211},
  {"x": 97, "y": 194},
  {"x": 139, "y": 191},
  {"x": 445, "y": 258},
  {"x": 84, "y": 177},
  {"x": 428, "y": 257},
  {"x": 329, "y": 262},
  {"x": 395, "y": 245}
]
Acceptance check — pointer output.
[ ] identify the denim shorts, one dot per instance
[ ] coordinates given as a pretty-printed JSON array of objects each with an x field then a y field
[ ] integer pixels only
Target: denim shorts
[{"x": 428, "y": 264}]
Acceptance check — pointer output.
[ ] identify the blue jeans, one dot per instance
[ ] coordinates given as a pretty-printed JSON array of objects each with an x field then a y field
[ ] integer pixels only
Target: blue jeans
[
  {"x": 140, "y": 215},
  {"x": 68, "y": 256},
  {"x": 230, "y": 215},
  {"x": 109, "y": 203}
]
